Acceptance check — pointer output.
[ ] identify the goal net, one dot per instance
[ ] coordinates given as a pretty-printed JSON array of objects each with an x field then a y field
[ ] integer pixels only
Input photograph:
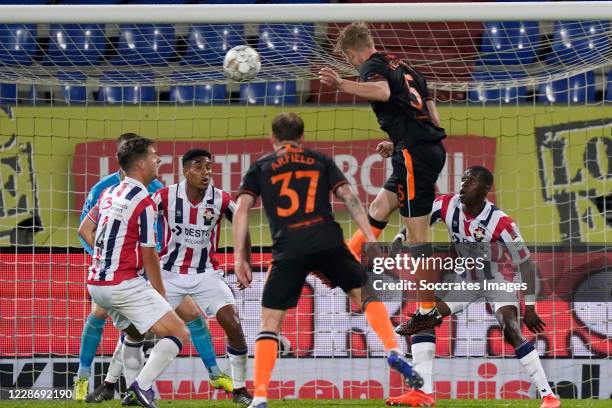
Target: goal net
[{"x": 526, "y": 98}]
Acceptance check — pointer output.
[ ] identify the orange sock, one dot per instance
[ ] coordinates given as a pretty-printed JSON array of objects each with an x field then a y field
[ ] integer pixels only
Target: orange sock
[
  {"x": 427, "y": 305},
  {"x": 358, "y": 239},
  {"x": 378, "y": 317},
  {"x": 266, "y": 350}
]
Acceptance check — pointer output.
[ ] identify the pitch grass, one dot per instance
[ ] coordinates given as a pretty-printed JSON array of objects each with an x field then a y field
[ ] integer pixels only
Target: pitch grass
[{"x": 311, "y": 404}]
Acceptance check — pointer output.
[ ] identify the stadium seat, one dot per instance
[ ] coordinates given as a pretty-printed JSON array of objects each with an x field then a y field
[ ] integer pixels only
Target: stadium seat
[
  {"x": 125, "y": 87},
  {"x": 608, "y": 88},
  {"x": 33, "y": 2},
  {"x": 577, "y": 89},
  {"x": 199, "y": 94},
  {"x": 90, "y": 1},
  {"x": 297, "y": 1},
  {"x": 482, "y": 92},
  {"x": 579, "y": 42},
  {"x": 509, "y": 43},
  {"x": 208, "y": 43},
  {"x": 282, "y": 44},
  {"x": 72, "y": 93},
  {"x": 157, "y": 2},
  {"x": 144, "y": 44},
  {"x": 8, "y": 94},
  {"x": 17, "y": 43},
  {"x": 269, "y": 93},
  {"x": 75, "y": 44}
]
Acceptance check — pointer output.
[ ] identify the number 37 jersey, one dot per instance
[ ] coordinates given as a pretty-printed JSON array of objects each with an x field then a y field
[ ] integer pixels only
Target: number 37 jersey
[{"x": 295, "y": 185}]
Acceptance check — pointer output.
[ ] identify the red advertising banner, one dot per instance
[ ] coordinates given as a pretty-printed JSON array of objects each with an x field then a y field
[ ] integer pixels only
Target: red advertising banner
[
  {"x": 44, "y": 301},
  {"x": 364, "y": 168}
]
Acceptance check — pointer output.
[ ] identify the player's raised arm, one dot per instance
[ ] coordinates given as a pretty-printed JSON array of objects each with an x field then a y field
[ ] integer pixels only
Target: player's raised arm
[
  {"x": 377, "y": 91},
  {"x": 357, "y": 46},
  {"x": 240, "y": 232}
]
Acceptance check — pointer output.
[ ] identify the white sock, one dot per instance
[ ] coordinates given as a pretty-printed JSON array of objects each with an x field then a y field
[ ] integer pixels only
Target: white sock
[
  {"x": 423, "y": 351},
  {"x": 161, "y": 356},
  {"x": 116, "y": 365},
  {"x": 133, "y": 357},
  {"x": 238, "y": 363},
  {"x": 530, "y": 360},
  {"x": 258, "y": 400},
  {"x": 396, "y": 350},
  {"x": 425, "y": 310}
]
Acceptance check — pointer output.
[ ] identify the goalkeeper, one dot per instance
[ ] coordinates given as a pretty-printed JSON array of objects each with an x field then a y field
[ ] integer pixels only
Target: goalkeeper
[{"x": 400, "y": 99}]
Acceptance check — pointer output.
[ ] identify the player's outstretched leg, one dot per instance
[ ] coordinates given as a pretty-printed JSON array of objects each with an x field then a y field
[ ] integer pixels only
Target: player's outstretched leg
[
  {"x": 423, "y": 350},
  {"x": 380, "y": 209},
  {"x": 201, "y": 338},
  {"x": 526, "y": 354},
  {"x": 173, "y": 334},
  {"x": 237, "y": 352},
  {"x": 378, "y": 318},
  {"x": 419, "y": 322},
  {"x": 90, "y": 340}
]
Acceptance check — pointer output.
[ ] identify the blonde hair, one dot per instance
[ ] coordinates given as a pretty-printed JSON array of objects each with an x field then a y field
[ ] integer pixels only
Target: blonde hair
[{"x": 355, "y": 36}]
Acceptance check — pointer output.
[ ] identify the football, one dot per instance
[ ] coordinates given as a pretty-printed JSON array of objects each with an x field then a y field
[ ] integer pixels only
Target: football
[{"x": 241, "y": 63}]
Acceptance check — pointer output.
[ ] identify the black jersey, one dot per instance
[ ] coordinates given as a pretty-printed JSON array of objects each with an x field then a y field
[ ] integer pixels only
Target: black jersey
[
  {"x": 294, "y": 184},
  {"x": 404, "y": 116}
]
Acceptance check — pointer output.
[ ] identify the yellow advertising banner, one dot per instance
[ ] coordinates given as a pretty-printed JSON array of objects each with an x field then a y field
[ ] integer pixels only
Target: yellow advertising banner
[{"x": 553, "y": 165}]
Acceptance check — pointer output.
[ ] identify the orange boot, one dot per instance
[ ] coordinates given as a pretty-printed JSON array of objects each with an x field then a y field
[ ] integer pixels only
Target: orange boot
[
  {"x": 413, "y": 398},
  {"x": 550, "y": 401}
]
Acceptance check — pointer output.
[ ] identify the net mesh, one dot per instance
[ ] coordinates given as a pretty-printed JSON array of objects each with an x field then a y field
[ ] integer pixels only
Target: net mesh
[
  {"x": 506, "y": 53},
  {"x": 68, "y": 91}
]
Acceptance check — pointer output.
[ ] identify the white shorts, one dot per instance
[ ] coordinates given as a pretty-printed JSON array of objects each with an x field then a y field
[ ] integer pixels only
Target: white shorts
[
  {"x": 496, "y": 299},
  {"x": 209, "y": 290},
  {"x": 132, "y": 301}
]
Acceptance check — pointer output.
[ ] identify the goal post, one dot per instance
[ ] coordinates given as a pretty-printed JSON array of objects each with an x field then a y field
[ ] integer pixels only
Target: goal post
[
  {"x": 523, "y": 88},
  {"x": 308, "y": 13}
]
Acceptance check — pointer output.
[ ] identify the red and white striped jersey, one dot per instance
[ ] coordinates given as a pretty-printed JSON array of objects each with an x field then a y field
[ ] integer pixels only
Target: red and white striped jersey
[
  {"x": 491, "y": 225},
  {"x": 191, "y": 230},
  {"x": 125, "y": 218}
]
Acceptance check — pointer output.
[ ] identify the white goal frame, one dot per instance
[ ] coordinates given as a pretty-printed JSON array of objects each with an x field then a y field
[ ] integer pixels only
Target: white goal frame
[{"x": 300, "y": 13}]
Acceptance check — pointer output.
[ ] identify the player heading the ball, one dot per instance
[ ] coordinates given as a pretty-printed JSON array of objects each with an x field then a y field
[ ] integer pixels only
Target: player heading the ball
[{"x": 400, "y": 99}]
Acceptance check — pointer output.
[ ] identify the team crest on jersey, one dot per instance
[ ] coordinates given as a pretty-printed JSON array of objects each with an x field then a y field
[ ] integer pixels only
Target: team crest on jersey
[
  {"x": 209, "y": 215},
  {"x": 479, "y": 233}
]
